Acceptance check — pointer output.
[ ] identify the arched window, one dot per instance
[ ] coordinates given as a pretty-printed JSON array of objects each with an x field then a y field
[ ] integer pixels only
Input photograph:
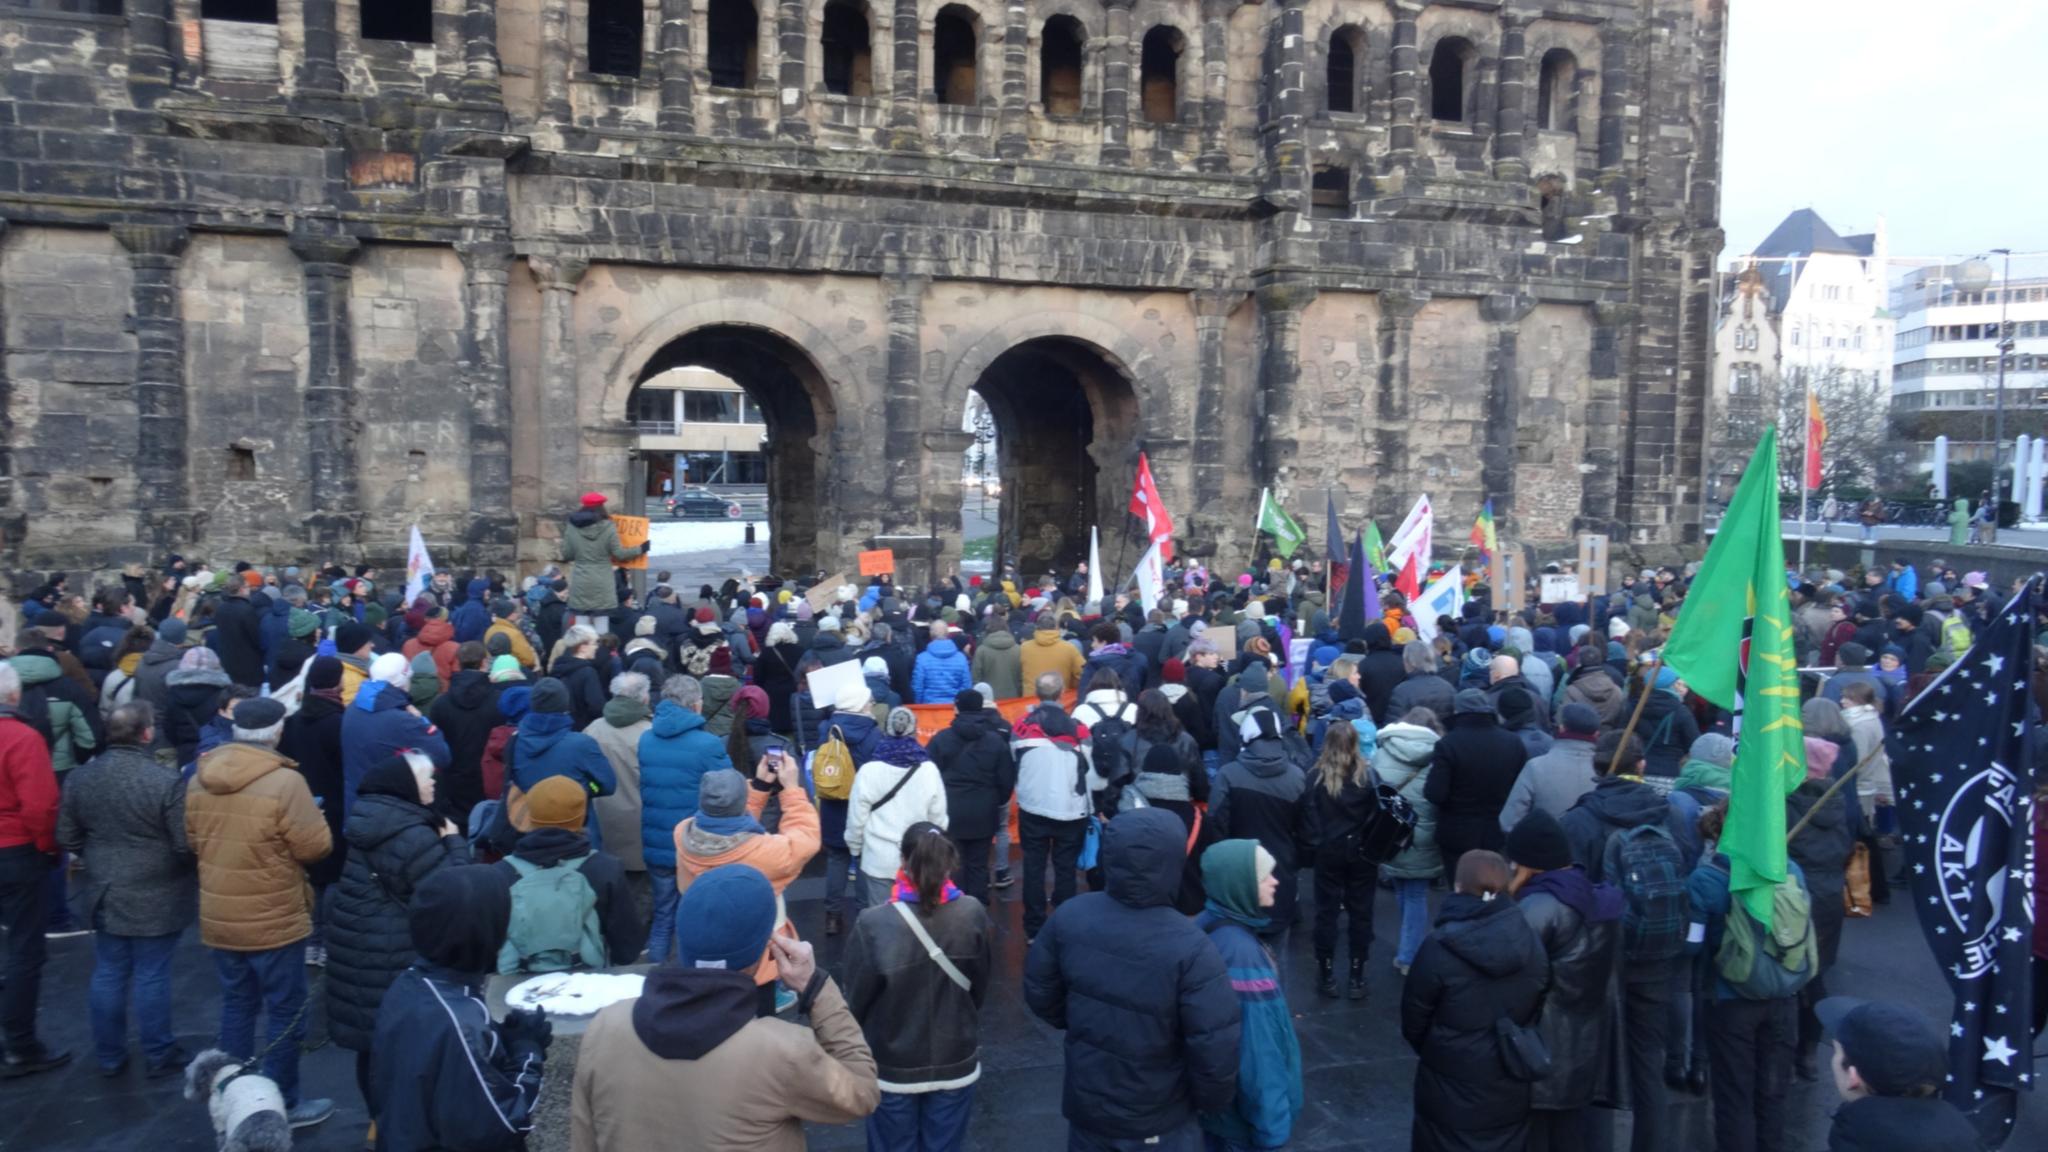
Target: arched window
[
  {"x": 1449, "y": 65},
  {"x": 615, "y": 30},
  {"x": 1340, "y": 76},
  {"x": 954, "y": 75},
  {"x": 1159, "y": 72},
  {"x": 1059, "y": 66},
  {"x": 732, "y": 35},
  {"x": 1557, "y": 92},
  {"x": 848, "y": 49}
]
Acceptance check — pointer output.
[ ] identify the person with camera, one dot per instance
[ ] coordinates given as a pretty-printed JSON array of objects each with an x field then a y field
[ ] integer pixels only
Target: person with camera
[{"x": 727, "y": 830}]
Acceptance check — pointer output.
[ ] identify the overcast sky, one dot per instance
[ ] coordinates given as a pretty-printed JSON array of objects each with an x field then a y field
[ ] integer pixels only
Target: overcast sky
[{"x": 1933, "y": 114}]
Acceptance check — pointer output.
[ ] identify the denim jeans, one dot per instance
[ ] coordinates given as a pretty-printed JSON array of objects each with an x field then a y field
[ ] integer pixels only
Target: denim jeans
[
  {"x": 662, "y": 935},
  {"x": 838, "y": 861},
  {"x": 274, "y": 982},
  {"x": 24, "y": 889},
  {"x": 1413, "y": 897},
  {"x": 146, "y": 960},
  {"x": 921, "y": 1121}
]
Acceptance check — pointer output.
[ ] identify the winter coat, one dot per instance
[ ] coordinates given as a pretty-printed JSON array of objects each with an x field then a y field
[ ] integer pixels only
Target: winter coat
[
  {"x": 1483, "y": 962},
  {"x": 546, "y": 746},
  {"x": 1470, "y": 776},
  {"x": 393, "y": 846},
  {"x": 941, "y": 673},
  {"x": 312, "y": 741},
  {"x": 1422, "y": 690},
  {"x": 998, "y": 663},
  {"x": 618, "y": 918},
  {"x": 1900, "y": 1124},
  {"x": 1055, "y": 766},
  {"x": 472, "y": 618},
  {"x": 923, "y": 1028},
  {"x": 71, "y": 713},
  {"x": 125, "y": 814},
  {"x": 1262, "y": 795},
  {"x": 1614, "y": 804},
  {"x": 465, "y": 715},
  {"x": 376, "y": 727},
  {"x": 1552, "y": 782},
  {"x": 157, "y": 663},
  {"x": 586, "y": 687},
  {"x": 1151, "y": 1021},
  {"x": 1269, "y": 1095},
  {"x": 522, "y": 649},
  {"x": 675, "y": 752},
  {"x": 775, "y": 674},
  {"x": 874, "y": 831},
  {"x": 779, "y": 855},
  {"x": 1402, "y": 763},
  {"x": 1579, "y": 924},
  {"x": 1595, "y": 687},
  {"x": 1668, "y": 729},
  {"x": 590, "y": 542},
  {"x": 437, "y": 637},
  {"x": 718, "y": 693},
  {"x": 1537, "y": 702},
  {"x": 1381, "y": 673},
  {"x": 253, "y": 827},
  {"x": 1048, "y": 651},
  {"x": 443, "y": 1076},
  {"x": 1128, "y": 663},
  {"x": 238, "y": 637},
  {"x": 1822, "y": 852},
  {"x": 618, "y": 734},
  {"x": 979, "y": 774},
  {"x": 28, "y": 789}
]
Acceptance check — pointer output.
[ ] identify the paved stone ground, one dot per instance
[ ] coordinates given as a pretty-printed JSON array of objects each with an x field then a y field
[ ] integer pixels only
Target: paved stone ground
[{"x": 1358, "y": 1072}]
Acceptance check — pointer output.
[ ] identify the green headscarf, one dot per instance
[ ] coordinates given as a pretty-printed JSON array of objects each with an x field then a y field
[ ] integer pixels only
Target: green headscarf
[{"x": 1230, "y": 874}]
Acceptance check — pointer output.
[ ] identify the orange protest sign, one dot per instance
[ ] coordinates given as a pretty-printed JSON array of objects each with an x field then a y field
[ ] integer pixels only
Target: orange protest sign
[
  {"x": 880, "y": 562},
  {"x": 632, "y": 534}
]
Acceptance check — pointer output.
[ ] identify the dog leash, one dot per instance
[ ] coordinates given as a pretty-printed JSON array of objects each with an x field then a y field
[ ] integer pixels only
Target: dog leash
[{"x": 249, "y": 1066}]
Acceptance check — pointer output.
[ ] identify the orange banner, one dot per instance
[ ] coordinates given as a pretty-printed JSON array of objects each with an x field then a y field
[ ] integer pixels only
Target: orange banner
[
  {"x": 880, "y": 562},
  {"x": 933, "y": 719},
  {"x": 632, "y": 534}
]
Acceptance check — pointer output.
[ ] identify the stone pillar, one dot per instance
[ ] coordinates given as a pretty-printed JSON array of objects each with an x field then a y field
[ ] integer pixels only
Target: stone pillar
[
  {"x": 1287, "y": 169},
  {"x": 1215, "y": 156},
  {"x": 1280, "y": 306},
  {"x": 1504, "y": 311},
  {"x": 318, "y": 72},
  {"x": 1614, "y": 97},
  {"x": 792, "y": 122},
  {"x": 333, "y": 505},
  {"x": 558, "y": 277},
  {"x": 161, "y": 464},
  {"x": 493, "y": 536},
  {"x": 1391, "y": 426},
  {"x": 905, "y": 128},
  {"x": 1404, "y": 84},
  {"x": 556, "y": 54},
  {"x": 1013, "y": 132},
  {"x": 902, "y": 402},
  {"x": 151, "y": 65},
  {"x": 11, "y": 517},
  {"x": 1600, "y": 494},
  {"x": 1116, "y": 83},
  {"x": 479, "y": 50},
  {"x": 678, "y": 85},
  {"x": 1212, "y": 308},
  {"x": 1510, "y": 159}
]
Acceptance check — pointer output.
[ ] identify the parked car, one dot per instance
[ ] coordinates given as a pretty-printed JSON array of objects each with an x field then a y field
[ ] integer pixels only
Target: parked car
[{"x": 699, "y": 504}]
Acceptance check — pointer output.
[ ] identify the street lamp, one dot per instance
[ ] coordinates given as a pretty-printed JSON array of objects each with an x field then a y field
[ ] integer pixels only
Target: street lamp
[{"x": 1974, "y": 276}]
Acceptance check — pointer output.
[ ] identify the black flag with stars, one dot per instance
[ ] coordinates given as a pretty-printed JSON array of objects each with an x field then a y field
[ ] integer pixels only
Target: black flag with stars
[{"x": 1965, "y": 802}]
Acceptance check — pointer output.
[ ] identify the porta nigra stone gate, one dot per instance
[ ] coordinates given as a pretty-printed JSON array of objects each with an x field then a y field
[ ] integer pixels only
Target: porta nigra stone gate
[{"x": 280, "y": 278}]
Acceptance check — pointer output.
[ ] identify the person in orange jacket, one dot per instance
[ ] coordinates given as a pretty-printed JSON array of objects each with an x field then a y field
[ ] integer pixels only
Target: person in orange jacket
[{"x": 727, "y": 830}]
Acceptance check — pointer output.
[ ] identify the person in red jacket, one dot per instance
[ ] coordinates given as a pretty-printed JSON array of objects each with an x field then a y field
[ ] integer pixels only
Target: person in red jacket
[{"x": 28, "y": 850}]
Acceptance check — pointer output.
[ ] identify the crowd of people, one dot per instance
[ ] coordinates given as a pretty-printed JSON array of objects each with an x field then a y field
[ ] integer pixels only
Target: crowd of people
[{"x": 514, "y": 776}]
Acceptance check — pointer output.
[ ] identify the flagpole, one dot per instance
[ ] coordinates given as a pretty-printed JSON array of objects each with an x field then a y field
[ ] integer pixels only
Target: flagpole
[{"x": 1805, "y": 463}]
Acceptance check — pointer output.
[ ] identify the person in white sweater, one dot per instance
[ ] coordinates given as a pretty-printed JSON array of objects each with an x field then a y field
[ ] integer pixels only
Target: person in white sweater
[{"x": 896, "y": 789}]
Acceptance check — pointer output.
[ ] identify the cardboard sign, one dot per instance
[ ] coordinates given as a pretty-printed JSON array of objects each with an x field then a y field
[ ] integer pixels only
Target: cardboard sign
[
  {"x": 880, "y": 562},
  {"x": 1561, "y": 589},
  {"x": 1506, "y": 577},
  {"x": 632, "y": 534},
  {"x": 1224, "y": 637},
  {"x": 820, "y": 596},
  {"x": 1593, "y": 563}
]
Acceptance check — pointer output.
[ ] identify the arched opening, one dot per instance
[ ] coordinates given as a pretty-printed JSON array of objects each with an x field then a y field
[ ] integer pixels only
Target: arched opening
[
  {"x": 849, "y": 53},
  {"x": 1159, "y": 74},
  {"x": 1059, "y": 66},
  {"x": 615, "y": 30},
  {"x": 1065, "y": 421},
  {"x": 1449, "y": 65},
  {"x": 732, "y": 36},
  {"x": 1557, "y": 92},
  {"x": 241, "y": 11},
  {"x": 1340, "y": 75},
  {"x": 955, "y": 78},
  {"x": 746, "y": 415}
]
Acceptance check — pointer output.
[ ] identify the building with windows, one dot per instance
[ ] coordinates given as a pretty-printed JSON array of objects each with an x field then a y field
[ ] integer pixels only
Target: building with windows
[
  {"x": 1829, "y": 293},
  {"x": 1945, "y": 368},
  {"x": 1746, "y": 374},
  {"x": 698, "y": 427}
]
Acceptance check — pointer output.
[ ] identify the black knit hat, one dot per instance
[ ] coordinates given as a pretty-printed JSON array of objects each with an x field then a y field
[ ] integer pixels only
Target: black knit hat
[{"x": 1538, "y": 842}]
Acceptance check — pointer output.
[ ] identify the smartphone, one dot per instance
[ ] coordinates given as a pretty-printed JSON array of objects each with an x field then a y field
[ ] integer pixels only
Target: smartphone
[{"x": 773, "y": 754}]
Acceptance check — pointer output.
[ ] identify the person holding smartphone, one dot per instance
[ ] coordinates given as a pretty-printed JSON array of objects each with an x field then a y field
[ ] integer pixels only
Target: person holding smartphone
[{"x": 727, "y": 830}]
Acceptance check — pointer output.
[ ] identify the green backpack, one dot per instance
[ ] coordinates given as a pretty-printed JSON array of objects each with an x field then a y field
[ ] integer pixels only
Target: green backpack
[
  {"x": 1774, "y": 964},
  {"x": 554, "y": 919}
]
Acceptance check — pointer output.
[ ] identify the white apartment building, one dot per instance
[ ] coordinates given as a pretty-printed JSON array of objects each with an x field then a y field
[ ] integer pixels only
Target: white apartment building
[
  {"x": 1830, "y": 294},
  {"x": 1945, "y": 370}
]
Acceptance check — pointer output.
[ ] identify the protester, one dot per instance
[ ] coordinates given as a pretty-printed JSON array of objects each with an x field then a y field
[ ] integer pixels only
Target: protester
[
  {"x": 726, "y": 829},
  {"x": 1343, "y": 799},
  {"x": 618, "y": 733},
  {"x": 941, "y": 671},
  {"x": 383, "y": 722},
  {"x": 1238, "y": 877},
  {"x": 590, "y": 544},
  {"x": 898, "y": 788},
  {"x": 998, "y": 659},
  {"x": 1555, "y": 781},
  {"x": 465, "y": 715},
  {"x": 1049, "y": 652},
  {"x": 675, "y": 752},
  {"x": 1263, "y": 795},
  {"x": 1423, "y": 687},
  {"x": 980, "y": 775},
  {"x": 548, "y": 745},
  {"x": 1407, "y": 749},
  {"x": 850, "y": 722},
  {"x": 1055, "y": 787},
  {"x": 312, "y": 742},
  {"x": 558, "y": 923},
  {"x": 1471, "y": 773},
  {"x": 1889, "y": 1066},
  {"x": 1821, "y": 848}
]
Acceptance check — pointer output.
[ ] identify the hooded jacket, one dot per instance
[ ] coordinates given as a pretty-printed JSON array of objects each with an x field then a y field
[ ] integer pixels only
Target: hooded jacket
[
  {"x": 1263, "y": 796},
  {"x": 71, "y": 736},
  {"x": 378, "y": 725},
  {"x": 436, "y": 637},
  {"x": 874, "y": 831},
  {"x": 157, "y": 663},
  {"x": 1129, "y": 664},
  {"x": 922, "y": 1027},
  {"x": 675, "y": 753},
  {"x": 1615, "y": 803},
  {"x": 125, "y": 814},
  {"x": 1402, "y": 763},
  {"x": 590, "y": 542},
  {"x": 998, "y": 664},
  {"x": 1822, "y": 852},
  {"x": 1380, "y": 672},
  {"x": 546, "y": 746},
  {"x": 238, "y": 637},
  {"x": 472, "y": 618},
  {"x": 979, "y": 774},
  {"x": 941, "y": 673},
  {"x": 1470, "y": 776},
  {"x": 617, "y": 917},
  {"x": 1900, "y": 1124},
  {"x": 312, "y": 741},
  {"x": 1055, "y": 767},
  {"x": 522, "y": 649},
  {"x": 1668, "y": 729},
  {"x": 1579, "y": 923},
  {"x": 1483, "y": 963},
  {"x": 194, "y": 699},
  {"x": 465, "y": 715},
  {"x": 1269, "y": 1056},
  {"x": 618, "y": 734},
  {"x": 253, "y": 827},
  {"x": 1048, "y": 651},
  {"x": 1151, "y": 1022},
  {"x": 586, "y": 687},
  {"x": 1594, "y": 686},
  {"x": 780, "y": 855}
]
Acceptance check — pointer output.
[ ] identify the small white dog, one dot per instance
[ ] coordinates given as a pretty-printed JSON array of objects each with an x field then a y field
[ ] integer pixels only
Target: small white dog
[{"x": 247, "y": 1109}]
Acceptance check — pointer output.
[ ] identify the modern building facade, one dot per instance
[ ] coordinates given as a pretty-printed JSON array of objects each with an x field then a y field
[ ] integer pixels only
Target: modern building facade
[{"x": 1945, "y": 373}]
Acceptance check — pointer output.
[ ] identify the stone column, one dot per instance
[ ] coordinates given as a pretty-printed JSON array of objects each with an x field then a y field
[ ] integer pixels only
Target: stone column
[
  {"x": 1212, "y": 308},
  {"x": 1116, "y": 83},
  {"x": 1510, "y": 160},
  {"x": 151, "y": 65},
  {"x": 1504, "y": 311},
  {"x": 1600, "y": 491},
  {"x": 318, "y": 71},
  {"x": 905, "y": 128},
  {"x": 1013, "y": 133},
  {"x": 1215, "y": 156},
  {"x": 1614, "y": 97},
  {"x": 333, "y": 505},
  {"x": 792, "y": 122},
  {"x": 1392, "y": 428},
  {"x": 903, "y": 400},
  {"x": 493, "y": 530},
  {"x": 162, "y": 471},
  {"x": 556, "y": 53},
  {"x": 558, "y": 276},
  {"x": 1288, "y": 172},
  {"x": 1404, "y": 84},
  {"x": 11, "y": 517},
  {"x": 678, "y": 85},
  {"x": 479, "y": 50},
  {"x": 1280, "y": 308}
]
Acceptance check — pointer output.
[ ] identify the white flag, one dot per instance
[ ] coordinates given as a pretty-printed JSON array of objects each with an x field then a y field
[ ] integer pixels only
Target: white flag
[
  {"x": 1446, "y": 597},
  {"x": 1412, "y": 537},
  {"x": 1094, "y": 604},
  {"x": 1151, "y": 578},
  {"x": 419, "y": 567}
]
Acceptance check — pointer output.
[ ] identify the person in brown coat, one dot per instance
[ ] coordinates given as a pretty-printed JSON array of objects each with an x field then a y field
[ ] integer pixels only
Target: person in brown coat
[
  {"x": 1049, "y": 651},
  {"x": 691, "y": 1067},
  {"x": 254, "y": 828}
]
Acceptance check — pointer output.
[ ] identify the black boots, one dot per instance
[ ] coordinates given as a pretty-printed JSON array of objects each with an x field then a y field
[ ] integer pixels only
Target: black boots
[
  {"x": 1326, "y": 977},
  {"x": 1357, "y": 989}
]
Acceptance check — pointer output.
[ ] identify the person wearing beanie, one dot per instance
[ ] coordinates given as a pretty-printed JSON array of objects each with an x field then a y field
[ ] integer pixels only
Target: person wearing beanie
[
  {"x": 466, "y": 714},
  {"x": 875, "y": 671},
  {"x": 1889, "y": 1065},
  {"x": 897, "y": 788},
  {"x": 601, "y": 926},
  {"x": 1238, "y": 877},
  {"x": 1553, "y": 782},
  {"x": 726, "y": 829},
  {"x": 979, "y": 774},
  {"x": 1259, "y": 795},
  {"x": 383, "y": 720},
  {"x": 435, "y": 639},
  {"x": 238, "y": 635},
  {"x": 1579, "y": 924},
  {"x": 548, "y": 745},
  {"x": 1666, "y": 726},
  {"x": 999, "y": 658},
  {"x": 425, "y": 683},
  {"x": 1251, "y": 690},
  {"x": 297, "y": 644},
  {"x": 442, "y": 1073},
  {"x": 1347, "y": 705},
  {"x": 1821, "y": 849},
  {"x": 352, "y": 642},
  {"x": 157, "y": 663},
  {"x": 626, "y": 719},
  {"x": 675, "y": 753},
  {"x": 252, "y": 823},
  {"x": 691, "y": 1064},
  {"x": 1472, "y": 773},
  {"x": 589, "y": 546},
  {"x": 312, "y": 741}
]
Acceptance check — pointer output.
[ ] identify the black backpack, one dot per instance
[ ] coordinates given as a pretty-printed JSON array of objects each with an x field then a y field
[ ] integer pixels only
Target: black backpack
[{"x": 1115, "y": 751}]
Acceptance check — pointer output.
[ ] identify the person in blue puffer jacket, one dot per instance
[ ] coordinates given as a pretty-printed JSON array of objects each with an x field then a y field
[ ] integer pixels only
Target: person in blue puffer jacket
[
  {"x": 547, "y": 744},
  {"x": 941, "y": 671},
  {"x": 472, "y": 618},
  {"x": 1238, "y": 877},
  {"x": 675, "y": 753},
  {"x": 381, "y": 722}
]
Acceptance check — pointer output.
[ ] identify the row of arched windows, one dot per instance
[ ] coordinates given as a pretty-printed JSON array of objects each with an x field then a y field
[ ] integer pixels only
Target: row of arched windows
[{"x": 1451, "y": 71}]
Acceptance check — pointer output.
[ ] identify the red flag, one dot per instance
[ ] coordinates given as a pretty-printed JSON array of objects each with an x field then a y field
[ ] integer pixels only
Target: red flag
[
  {"x": 1816, "y": 435},
  {"x": 1146, "y": 506},
  {"x": 1410, "y": 579}
]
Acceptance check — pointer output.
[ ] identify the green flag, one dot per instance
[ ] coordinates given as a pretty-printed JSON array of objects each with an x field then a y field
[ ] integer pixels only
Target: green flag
[
  {"x": 1375, "y": 550},
  {"x": 1286, "y": 530},
  {"x": 1733, "y": 645}
]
